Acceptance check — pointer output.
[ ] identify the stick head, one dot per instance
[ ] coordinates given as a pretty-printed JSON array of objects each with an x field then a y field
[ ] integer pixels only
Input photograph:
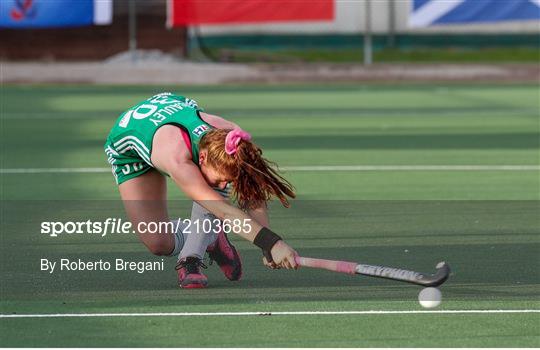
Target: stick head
[{"x": 438, "y": 278}]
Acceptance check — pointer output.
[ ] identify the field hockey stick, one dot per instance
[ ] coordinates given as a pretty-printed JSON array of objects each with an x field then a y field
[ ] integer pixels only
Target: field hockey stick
[{"x": 422, "y": 279}]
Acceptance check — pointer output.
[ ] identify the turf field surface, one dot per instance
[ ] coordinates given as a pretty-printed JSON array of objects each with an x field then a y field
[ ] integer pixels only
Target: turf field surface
[{"x": 483, "y": 222}]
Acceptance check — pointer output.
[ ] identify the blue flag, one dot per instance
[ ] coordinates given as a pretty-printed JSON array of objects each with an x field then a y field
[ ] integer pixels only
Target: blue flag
[
  {"x": 439, "y": 12},
  {"x": 54, "y": 13}
]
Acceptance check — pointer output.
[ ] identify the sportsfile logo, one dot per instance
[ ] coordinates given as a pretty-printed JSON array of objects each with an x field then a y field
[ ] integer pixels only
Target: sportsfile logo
[
  {"x": 209, "y": 225},
  {"x": 101, "y": 228}
]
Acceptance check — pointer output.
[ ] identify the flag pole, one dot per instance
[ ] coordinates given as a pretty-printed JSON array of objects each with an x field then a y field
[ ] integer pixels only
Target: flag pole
[
  {"x": 368, "y": 52},
  {"x": 132, "y": 26},
  {"x": 391, "y": 24}
]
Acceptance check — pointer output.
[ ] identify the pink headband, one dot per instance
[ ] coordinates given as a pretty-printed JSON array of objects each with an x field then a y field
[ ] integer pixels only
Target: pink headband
[{"x": 233, "y": 139}]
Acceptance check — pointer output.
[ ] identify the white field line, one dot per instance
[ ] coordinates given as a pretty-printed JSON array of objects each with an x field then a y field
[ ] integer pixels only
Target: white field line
[
  {"x": 411, "y": 168},
  {"x": 53, "y": 170},
  {"x": 311, "y": 168},
  {"x": 271, "y": 313}
]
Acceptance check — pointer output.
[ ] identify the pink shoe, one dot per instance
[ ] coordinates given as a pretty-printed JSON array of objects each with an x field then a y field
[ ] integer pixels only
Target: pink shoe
[
  {"x": 226, "y": 256},
  {"x": 189, "y": 273}
]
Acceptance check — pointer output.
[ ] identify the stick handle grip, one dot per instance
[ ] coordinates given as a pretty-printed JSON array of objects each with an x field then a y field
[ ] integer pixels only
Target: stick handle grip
[{"x": 332, "y": 265}]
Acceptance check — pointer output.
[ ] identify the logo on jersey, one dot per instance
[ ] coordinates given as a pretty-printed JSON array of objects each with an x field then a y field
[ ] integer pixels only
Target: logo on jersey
[
  {"x": 125, "y": 119},
  {"x": 190, "y": 103},
  {"x": 200, "y": 129}
]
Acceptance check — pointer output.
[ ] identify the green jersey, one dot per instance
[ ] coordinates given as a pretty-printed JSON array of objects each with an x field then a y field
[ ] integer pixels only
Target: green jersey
[{"x": 129, "y": 144}]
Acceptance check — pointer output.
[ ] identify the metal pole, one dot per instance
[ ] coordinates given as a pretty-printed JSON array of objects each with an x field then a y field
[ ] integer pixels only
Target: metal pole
[
  {"x": 185, "y": 38},
  {"x": 368, "y": 52},
  {"x": 391, "y": 23},
  {"x": 132, "y": 23}
]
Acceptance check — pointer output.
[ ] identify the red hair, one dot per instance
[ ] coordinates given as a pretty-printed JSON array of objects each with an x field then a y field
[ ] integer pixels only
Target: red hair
[{"x": 255, "y": 178}]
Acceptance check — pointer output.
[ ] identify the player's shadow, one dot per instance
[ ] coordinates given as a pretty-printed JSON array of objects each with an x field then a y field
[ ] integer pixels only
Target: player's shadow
[
  {"x": 477, "y": 273},
  {"x": 471, "y": 264}
]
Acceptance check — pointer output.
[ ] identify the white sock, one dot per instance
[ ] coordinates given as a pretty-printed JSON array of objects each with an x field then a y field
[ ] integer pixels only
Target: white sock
[
  {"x": 196, "y": 242},
  {"x": 179, "y": 237}
]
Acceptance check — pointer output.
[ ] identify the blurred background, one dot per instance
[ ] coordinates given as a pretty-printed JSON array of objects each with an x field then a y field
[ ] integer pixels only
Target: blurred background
[{"x": 277, "y": 31}]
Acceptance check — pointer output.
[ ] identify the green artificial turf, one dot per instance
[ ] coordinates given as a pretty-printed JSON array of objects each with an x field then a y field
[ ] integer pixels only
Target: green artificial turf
[
  {"x": 384, "y": 55},
  {"x": 484, "y": 223}
]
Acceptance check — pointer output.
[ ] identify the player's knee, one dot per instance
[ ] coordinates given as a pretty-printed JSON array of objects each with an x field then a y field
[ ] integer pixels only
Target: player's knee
[{"x": 159, "y": 248}]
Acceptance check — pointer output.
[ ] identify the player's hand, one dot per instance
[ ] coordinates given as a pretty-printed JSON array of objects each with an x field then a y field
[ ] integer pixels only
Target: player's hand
[
  {"x": 284, "y": 256},
  {"x": 271, "y": 265}
]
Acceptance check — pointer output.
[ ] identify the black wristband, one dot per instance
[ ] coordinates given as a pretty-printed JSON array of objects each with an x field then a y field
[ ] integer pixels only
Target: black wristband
[
  {"x": 266, "y": 239},
  {"x": 267, "y": 255}
]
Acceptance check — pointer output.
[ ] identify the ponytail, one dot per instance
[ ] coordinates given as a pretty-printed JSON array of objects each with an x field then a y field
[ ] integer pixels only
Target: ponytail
[
  {"x": 255, "y": 179},
  {"x": 258, "y": 181}
]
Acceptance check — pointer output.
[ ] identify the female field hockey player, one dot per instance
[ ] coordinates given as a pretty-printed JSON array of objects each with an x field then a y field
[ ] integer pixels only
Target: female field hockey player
[{"x": 203, "y": 154}]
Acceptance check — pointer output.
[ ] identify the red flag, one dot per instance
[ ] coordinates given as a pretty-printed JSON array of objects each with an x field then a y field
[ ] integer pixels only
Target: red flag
[{"x": 190, "y": 12}]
